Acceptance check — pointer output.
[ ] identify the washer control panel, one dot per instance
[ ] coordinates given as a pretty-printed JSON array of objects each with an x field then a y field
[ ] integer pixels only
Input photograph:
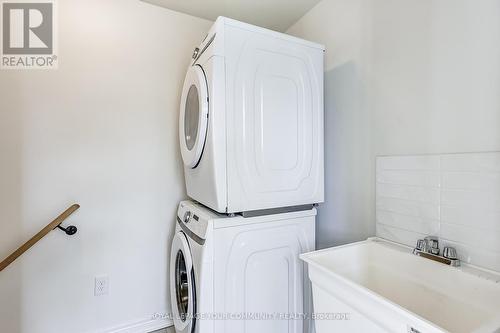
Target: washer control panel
[{"x": 194, "y": 217}]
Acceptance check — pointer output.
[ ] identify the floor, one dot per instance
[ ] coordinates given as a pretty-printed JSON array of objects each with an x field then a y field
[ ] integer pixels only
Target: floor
[{"x": 165, "y": 330}]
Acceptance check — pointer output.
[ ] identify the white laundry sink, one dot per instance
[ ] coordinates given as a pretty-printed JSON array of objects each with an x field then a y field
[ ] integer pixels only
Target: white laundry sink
[{"x": 377, "y": 286}]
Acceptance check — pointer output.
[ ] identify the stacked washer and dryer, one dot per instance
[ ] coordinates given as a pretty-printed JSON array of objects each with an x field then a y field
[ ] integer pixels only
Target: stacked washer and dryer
[{"x": 251, "y": 138}]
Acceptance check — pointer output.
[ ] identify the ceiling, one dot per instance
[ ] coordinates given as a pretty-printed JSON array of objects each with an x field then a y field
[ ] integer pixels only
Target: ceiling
[{"x": 277, "y": 15}]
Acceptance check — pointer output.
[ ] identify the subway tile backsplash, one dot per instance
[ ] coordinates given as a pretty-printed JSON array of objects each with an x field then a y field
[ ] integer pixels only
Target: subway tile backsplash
[{"x": 453, "y": 196}]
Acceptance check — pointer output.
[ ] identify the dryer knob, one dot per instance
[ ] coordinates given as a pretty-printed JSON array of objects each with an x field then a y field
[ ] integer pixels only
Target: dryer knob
[{"x": 187, "y": 217}]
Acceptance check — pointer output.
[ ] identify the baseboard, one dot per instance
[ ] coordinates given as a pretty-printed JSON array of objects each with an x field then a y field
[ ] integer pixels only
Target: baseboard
[{"x": 144, "y": 326}]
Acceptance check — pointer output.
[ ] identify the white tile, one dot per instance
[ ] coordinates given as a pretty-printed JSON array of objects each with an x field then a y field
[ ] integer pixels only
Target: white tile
[
  {"x": 471, "y": 181},
  {"x": 469, "y": 216},
  {"x": 480, "y": 198},
  {"x": 473, "y": 199},
  {"x": 474, "y": 237},
  {"x": 408, "y": 207},
  {"x": 456, "y": 196},
  {"x": 416, "y": 193},
  {"x": 427, "y": 162},
  {"x": 409, "y": 223},
  {"x": 397, "y": 235},
  {"x": 471, "y": 162},
  {"x": 409, "y": 177}
]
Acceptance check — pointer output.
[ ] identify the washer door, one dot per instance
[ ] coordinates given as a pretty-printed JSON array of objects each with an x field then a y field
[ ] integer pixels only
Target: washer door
[
  {"x": 182, "y": 285},
  {"x": 193, "y": 117}
]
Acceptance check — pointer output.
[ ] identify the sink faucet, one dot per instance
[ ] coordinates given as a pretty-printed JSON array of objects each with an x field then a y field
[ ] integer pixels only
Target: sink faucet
[
  {"x": 429, "y": 244},
  {"x": 429, "y": 248}
]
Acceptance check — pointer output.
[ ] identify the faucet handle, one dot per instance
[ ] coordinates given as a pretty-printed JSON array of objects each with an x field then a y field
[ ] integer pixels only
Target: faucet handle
[
  {"x": 432, "y": 244},
  {"x": 450, "y": 252},
  {"x": 420, "y": 245}
]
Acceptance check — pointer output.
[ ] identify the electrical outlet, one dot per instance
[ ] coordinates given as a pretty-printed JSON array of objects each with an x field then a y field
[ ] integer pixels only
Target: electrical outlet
[{"x": 101, "y": 285}]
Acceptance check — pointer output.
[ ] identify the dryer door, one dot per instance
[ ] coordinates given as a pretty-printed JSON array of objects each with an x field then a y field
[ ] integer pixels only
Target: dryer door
[
  {"x": 182, "y": 285},
  {"x": 193, "y": 118}
]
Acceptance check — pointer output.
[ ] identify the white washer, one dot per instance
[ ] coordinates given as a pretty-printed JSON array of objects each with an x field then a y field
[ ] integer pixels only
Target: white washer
[
  {"x": 251, "y": 120},
  {"x": 223, "y": 267}
]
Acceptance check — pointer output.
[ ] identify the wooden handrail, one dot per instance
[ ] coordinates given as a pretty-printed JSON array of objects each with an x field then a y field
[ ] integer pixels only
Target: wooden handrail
[{"x": 42, "y": 233}]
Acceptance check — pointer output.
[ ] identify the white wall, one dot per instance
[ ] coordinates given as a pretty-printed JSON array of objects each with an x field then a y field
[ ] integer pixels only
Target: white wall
[
  {"x": 346, "y": 215},
  {"x": 403, "y": 77},
  {"x": 435, "y": 76},
  {"x": 100, "y": 131}
]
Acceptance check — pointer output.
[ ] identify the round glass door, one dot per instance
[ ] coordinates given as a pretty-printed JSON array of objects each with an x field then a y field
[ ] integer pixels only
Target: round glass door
[
  {"x": 182, "y": 291},
  {"x": 181, "y": 285},
  {"x": 193, "y": 120}
]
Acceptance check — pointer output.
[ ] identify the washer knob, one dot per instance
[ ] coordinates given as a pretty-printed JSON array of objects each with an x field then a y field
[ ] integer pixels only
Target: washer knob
[
  {"x": 187, "y": 217},
  {"x": 195, "y": 53}
]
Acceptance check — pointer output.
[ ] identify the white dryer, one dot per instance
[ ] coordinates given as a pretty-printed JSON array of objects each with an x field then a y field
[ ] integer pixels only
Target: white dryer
[
  {"x": 240, "y": 275},
  {"x": 251, "y": 120}
]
